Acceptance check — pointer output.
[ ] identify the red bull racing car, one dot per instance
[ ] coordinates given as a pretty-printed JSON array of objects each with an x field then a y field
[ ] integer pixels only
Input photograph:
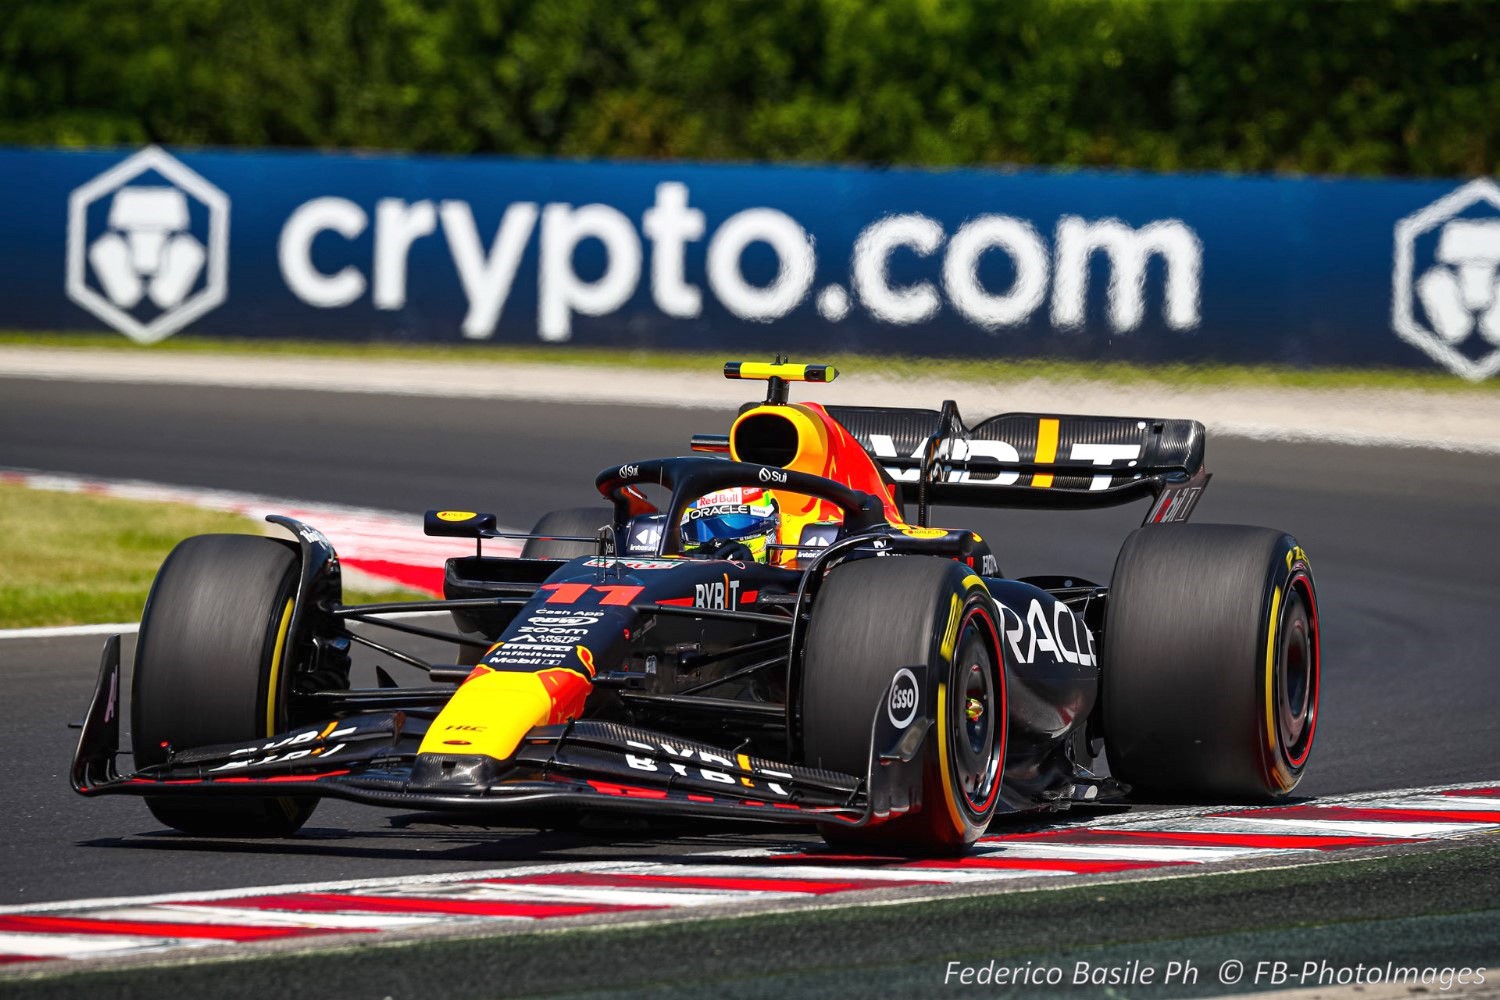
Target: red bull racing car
[{"x": 768, "y": 629}]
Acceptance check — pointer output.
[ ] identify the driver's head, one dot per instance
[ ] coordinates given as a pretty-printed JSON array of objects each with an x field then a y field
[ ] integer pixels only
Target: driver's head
[{"x": 745, "y": 515}]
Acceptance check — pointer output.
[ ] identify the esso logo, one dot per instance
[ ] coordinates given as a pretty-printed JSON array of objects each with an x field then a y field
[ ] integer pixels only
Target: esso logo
[
  {"x": 772, "y": 476},
  {"x": 902, "y": 704}
]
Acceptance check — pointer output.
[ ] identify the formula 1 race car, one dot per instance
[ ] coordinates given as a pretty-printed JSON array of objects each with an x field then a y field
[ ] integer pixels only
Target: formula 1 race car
[{"x": 683, "y": 651}]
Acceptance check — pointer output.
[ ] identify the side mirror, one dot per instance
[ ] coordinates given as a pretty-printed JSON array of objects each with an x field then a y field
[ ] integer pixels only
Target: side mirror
[{"x": 459, "y": 524}]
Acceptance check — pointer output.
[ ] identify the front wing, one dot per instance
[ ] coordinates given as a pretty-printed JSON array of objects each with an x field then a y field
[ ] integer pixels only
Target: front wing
[{"x": 587, "y": 764}]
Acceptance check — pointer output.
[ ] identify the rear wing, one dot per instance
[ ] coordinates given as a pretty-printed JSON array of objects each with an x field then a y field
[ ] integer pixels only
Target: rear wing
[{"x": 1035, "y": 460}]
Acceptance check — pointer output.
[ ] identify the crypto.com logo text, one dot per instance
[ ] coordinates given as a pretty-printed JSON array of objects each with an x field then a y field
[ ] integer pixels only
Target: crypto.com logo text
[
  {"x": 145, "y": 271},
  {"x": 1448, "y": 302},
  {"x": 1050, "y": 279}
]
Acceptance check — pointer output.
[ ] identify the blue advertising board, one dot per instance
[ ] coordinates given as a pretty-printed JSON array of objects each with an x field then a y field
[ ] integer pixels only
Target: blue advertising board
[{"x": 754, "y": 259}]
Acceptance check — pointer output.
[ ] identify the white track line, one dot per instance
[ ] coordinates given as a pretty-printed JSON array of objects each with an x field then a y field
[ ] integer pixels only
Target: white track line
[
  {"x": 490, "y": 892},
  {"x": 42, "y": 945},
  {"x": 1334, "y": 827},
  {"x": 1122, "y": 852},
  {"x": 252, "y": 917},
  {"x": 64, "y": 631},
  {"x": 1457, "y": 803}
]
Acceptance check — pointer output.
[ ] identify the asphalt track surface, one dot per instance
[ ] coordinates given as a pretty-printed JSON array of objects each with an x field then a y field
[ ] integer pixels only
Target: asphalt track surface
[{"x": 1404, "y": 545}]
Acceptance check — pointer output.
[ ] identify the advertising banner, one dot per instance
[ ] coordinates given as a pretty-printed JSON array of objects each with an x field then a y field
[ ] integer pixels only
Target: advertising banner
[{"x": 750, "y": 260}]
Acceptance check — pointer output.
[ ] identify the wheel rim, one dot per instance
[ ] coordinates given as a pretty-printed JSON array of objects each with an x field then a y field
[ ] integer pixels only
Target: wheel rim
[
  {"x": 977, "y": 728},
  {"x": 1297, "y": 675}
]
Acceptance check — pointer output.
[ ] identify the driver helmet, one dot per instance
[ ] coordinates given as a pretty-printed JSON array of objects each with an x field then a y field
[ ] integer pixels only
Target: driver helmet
[{"x": 747, "y": 515}]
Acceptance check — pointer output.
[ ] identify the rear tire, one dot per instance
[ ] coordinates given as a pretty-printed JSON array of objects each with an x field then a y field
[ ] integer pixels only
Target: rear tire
[
  {"x": 1211, "y": 662},
  {"x": 872, "y": 618},
  {"x": 211, "y": 667},
  {"x": 569, "y": 521}
]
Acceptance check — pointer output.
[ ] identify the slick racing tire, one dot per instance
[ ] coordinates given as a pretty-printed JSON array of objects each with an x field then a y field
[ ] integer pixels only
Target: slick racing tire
[
  {"x": 569, "y": 521},
  {"x": 1211, "y": 663},
  {"x": 211, "y": 666},
  {"x": 873, "y": 621}
]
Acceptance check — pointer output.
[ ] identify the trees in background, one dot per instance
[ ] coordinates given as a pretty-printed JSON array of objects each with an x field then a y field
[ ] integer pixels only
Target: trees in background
[{"x": 1247, "y": 85}]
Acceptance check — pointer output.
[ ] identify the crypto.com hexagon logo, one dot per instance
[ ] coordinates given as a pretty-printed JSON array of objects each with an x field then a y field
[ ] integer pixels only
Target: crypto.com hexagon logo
[
  {"x": 1448, "y": 254},
  {"x": 148, "y": 257}
]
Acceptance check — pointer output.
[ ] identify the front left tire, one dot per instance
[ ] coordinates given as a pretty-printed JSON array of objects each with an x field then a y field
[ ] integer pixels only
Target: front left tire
[{"x": 212, "y": 666}]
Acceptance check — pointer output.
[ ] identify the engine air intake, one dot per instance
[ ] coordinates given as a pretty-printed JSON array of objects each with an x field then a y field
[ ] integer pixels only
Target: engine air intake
[{"x": 766, "y": 438}]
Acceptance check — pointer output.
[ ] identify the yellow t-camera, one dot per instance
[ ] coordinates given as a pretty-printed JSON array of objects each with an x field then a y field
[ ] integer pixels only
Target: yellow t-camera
[{"x": 786, "y": 372}]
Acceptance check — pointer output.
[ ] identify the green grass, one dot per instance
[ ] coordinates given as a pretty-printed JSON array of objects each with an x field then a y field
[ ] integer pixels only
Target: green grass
[
  {"x": 73, "y": 559},
  {"x": 957, "y": 370}
]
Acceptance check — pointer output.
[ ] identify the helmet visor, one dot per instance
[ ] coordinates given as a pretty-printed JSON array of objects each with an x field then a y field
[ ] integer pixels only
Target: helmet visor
[{"x": 726, "y": 527}]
